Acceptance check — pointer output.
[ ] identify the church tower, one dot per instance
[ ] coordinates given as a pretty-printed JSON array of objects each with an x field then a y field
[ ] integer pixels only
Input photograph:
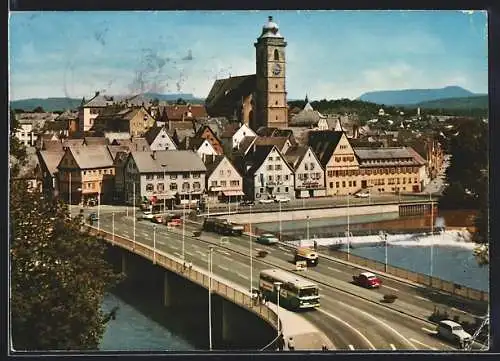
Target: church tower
[{"x": 270, "y": 103}]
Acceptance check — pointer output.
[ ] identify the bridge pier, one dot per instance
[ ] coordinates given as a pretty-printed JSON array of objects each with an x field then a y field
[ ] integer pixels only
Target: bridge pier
[
  {"x": 167, "y": 297},
  {"x": 124, "y": 262}
]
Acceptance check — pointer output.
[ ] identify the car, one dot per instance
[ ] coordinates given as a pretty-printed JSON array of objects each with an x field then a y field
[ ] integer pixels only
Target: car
[
  {"x": 265, "y": 201},
  {"x": 367, "y": 279},
  {"x": 247, "y": 203},
  {"x": 362, "y": 194},
  {"x": 267, "y": 238},
  {"x": 146, "y": 215},
  {"x": 453, "y": 332},
  {"x": 93, "y": 217},
  {"x": 282, "y": 199}
]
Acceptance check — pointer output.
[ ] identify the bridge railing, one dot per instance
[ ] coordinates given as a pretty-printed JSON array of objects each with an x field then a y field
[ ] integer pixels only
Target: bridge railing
[{"x": 222, "y": 287}]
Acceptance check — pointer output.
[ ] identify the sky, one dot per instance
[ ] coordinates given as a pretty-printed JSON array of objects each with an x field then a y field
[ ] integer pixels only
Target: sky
[{"x": 330, "y": 54}]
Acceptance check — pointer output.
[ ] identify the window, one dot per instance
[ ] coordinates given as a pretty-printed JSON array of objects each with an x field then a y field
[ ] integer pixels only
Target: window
[
  {"x": 270, "y": 178},
  {"x": 331, "y": 184},
  {"x": 271, "y": 158},
  {"x": 173, "y": 186},
  {"x": 229, "y": 172},
  {"x": 278, "y": 178},
  {"x": 262, "y": 190},
  {"x": 354, "y": 183},
  {"x": 269, "y": 167},
  {"x": 196, "y": 175},
  {"x": 223, "y": 183},
  {"x": 338, "y": 159},
  {"x": 286, "y": 176},
  {"x": 84, "y": 172},
  {"x": 278, "y": 190},
  {"x": 404, "y": 181},
  {"x": 214, "y": 183},
  {"x": 99, "y": 171},
  {"x": 149, "y": 187},
  {"x": 343, "y": 184},
  {"x": 312, "y": 166},
  {"x": 221, "y": 172},
  {"x": 337, "y": 184},
  {"x": 286, "y": 189},
  {"x": 196, "y": 185},
  {"x": 276, "y": 103},
  {"x": 173, "y": 176},
  {"x": 149, "y": 177},
  {"x": 160, "y": 187},
  {"x": 235, "y": 183},
  {"x": 350, "y": 183},
  {"x": 185, "y": 175},
  {"x": 185, "y": 186},
  {"x": 306, "y": 167},
  {"x": 277, "y": 167},
  {"x": 276, "y": 54},
  {"x": 159, "y": 176},
  {"x": 330, "y": 173},
  {"x": 415, "y": 180}
]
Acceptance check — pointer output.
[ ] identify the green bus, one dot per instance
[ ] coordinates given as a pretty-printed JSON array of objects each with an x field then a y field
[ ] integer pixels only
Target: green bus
[{"x": 296, "y": 293}]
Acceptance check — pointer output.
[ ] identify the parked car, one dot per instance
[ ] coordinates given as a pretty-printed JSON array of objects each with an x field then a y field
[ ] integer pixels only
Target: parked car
[
  {"x": 367, "y": 279},
  {"x": 362, "y": 194},
  {"x": 267, "y": 238},
  {"x": 454, "y": 332},
  {"x": 265, "y": 201},
  {"x": 282, "y": 199},
  {"x": 247, "y": 203}
]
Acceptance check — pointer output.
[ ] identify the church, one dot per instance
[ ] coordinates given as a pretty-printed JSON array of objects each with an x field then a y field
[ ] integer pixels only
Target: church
[{"x": 257, "y": 100}]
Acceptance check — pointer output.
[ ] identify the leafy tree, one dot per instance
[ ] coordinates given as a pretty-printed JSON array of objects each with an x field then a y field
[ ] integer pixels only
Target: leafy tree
[
  {"x": 155, "y": 102},
  {"x": 17, "y": 157},
  {"x": 180, "y": 101},
  {"x": 38, "y": 109},
  {"x": 59, "y": 276}
]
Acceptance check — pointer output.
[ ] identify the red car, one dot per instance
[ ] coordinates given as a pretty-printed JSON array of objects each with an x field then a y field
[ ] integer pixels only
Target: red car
[{"x": 367, "y": 279}]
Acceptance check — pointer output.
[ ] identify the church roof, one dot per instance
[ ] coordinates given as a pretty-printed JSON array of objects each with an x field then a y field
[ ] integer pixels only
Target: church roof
[{"x": 227, "y": 92}]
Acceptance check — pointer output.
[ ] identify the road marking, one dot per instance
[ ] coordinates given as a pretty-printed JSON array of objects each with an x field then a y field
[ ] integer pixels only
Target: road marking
[
  {"x": 161, "y": 242},
  {"x": 174, "y": 247},
  {"x": 178, "y": 254},
  {"x": 282, "y": 248},
  {"x": 224, "y": 252},
  {"x": 333, "y": 269},
  {"x": 392, "y": 346},
  {"x": 391, "y": 288},
  {"x": 383, "y": 324},
  {"x": 189, "y": 253},
  {"x": 242, "y": 276},
  {"x": 351, "y": 347},
  {"x": 224, "y": 268},
  {"x": 201, "y": 253},
  {"x": 228, "y": 258},
  {"x": 146, "y": 234},
  {"x": 423, "y": 344},
  {"x": 348, "y": 325},
  {"x": 421, "y": 298},
  {"x": 427, "y": 330}
]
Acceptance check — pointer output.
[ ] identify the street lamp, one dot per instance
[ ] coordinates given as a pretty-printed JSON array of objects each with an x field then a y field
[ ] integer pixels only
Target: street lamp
[
  {"x": 432, "y": 234},
  {"x": 385, "y": 238},
  {"x": 278, "y": 286},
  {"x": 133, "y": 209},
  {"x": 348, "y": 230},
  {"x": 164, "y": 166},
  {"x": 183, "y": 227},
  {"x": 280, "y": 218},
  {"x": 251, "y": 258},
  {"x": 307, "y": 228},
  {"x": 113, "y": 226},
  {"x": 69, "y": 195},
  {"x": 211, "y": 248},
  {"x": 154, "y": 243}
]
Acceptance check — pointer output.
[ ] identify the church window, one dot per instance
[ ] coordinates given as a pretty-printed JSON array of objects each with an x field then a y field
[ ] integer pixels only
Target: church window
[
  {"x": 276, "y": 86},
  {"x": 276, "y": 54}
]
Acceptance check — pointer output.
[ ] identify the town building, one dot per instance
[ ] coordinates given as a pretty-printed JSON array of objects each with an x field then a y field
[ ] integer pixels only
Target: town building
[
  {"x": 267, "y": 174},
  {"x": 86, "y": 172},
  {"x": 136, "y": 121},
  {"x": 159, "y": 139},
  {"x": 308, "y": 173},
  {"x": 224, "y": 182},
  {"x": 170, "y": 176},
  {"x": 48, "y": 161},
  {"x": 206, "y": 132}
]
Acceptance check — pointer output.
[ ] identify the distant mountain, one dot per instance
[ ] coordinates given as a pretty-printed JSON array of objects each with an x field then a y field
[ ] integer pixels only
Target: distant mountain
[
  {"x": 414, "y": 96},
  {"x": 48, "y": 104},
  {"x": 54, "y": 104},
  {"x": 472, "y": 102}
]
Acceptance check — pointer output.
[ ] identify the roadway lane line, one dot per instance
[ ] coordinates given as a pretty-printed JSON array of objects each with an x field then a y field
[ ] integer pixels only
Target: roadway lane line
[
  {"x": 392, "y": 346},
  {"x": 189, "y": 253},
  {"x": 201, "y": 253},
  {"x": 161, "y": 242},
  {"x": 243, "y": 276},
  {"x": 383, "y": 324},
  {"x": 228, "y": 258},
  {"x": 224, "y": 252},
  {"x": 282, "y": 248},
  {"x": 224, "y": 268},
  {"x": 333, "y": 269},
  {"x": 423, "y": 344},
  {"x": 421, "y": 298},
  {"x": 391, "y": 288},
  {"x": 351, "y": 347},
  {"x": 174, "y": 247},
  {"x": 178, "y": 254},
  {"x": 349, "y": 326},
  {"x": 146, "y": 234},
  {"x": 428, "y": 331},
  {"x": 456, "y": 309}
]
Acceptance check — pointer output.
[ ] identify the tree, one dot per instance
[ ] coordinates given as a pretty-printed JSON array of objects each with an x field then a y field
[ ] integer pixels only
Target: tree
[
  {"x": 59, "y": 276},
  {"x": 38, "y": 109},
  {"x": 17, "y": 156},
  {"x": 180, "y": 101}
]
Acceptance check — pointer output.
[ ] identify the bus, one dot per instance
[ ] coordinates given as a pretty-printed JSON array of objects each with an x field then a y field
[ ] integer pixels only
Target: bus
[{"x": 296, "y": 293}]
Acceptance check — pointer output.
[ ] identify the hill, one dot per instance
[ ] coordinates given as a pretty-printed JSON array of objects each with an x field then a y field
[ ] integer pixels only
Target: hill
[
  {"x": 55, "y": 104},
  {"x": 414, "y": 96},
  {"x": 473, "y": 102}
]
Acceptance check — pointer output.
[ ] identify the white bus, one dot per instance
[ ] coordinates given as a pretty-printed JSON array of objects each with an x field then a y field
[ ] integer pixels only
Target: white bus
[{"x": 296, "y": 293}]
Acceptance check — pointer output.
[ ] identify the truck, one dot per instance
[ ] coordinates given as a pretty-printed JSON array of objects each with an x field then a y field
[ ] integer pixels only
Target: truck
[
  {"x": 222, "y": 226},
  {"x": 306, "y": 254}
]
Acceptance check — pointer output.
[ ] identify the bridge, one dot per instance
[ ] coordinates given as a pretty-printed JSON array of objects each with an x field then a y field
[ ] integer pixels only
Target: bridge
[{"x": 352, "y": 318}]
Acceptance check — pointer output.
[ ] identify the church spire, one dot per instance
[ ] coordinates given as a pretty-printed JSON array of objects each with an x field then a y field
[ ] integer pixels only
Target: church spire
[{"x": 307, "y": 99}]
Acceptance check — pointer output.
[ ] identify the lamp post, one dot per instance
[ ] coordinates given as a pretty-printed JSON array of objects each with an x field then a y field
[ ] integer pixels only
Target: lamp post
[
  {"x": 432, "y": 234},
  {"x": 183, "y": 227},
  {"x": 154, "y": 243},
  {"x": 164, "y": 166},
  {"x": 278, "y": 286},
  {"x": 385, "y": 238},
  {"x": 280, "y": 218},
  {"x": 251, "y": 257},
  {"x": 69, "y": 195},
  {"x": 211, "y": 248},
  {"x": 113, "y": 226},
  {"x": 133, "y": 209},
  {"x": 348, "y": 230},
  {"x": 99, "y": 210},
  {"x": 307, "y": 228}
]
